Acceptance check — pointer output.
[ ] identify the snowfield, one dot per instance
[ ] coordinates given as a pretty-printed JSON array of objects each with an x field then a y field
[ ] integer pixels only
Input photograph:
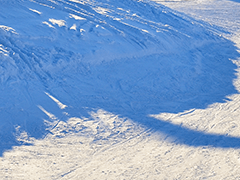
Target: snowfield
[{"x": 124, "y": 89}]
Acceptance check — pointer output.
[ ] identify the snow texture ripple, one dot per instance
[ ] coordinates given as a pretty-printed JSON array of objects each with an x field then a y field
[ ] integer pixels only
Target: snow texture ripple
[{"x": 116, "y": 90}]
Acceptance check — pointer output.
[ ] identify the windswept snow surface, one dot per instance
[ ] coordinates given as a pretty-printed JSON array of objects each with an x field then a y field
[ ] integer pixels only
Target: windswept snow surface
[{"x": 114, "y": 89}]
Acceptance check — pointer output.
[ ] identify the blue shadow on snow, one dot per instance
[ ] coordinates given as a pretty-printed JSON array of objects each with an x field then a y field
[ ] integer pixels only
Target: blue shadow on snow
[{"x": 193, "y": 77}]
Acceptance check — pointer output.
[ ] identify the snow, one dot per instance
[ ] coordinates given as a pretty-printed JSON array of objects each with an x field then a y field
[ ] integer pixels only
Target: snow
[
  {"x": 119, "y": 89},
  {"x": 60, "y": 23},
  {"x": 61, "y": 105},
  {"x": 36, "y": 11},
  {"x": 76, "y": 17}
]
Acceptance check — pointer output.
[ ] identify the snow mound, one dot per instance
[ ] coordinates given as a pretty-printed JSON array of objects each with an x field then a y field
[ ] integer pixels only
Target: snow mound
[{"x": 131, "y": 58}]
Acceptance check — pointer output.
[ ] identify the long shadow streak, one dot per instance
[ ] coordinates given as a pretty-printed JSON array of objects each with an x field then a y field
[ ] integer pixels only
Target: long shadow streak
[{"x": 182, "y": 135}]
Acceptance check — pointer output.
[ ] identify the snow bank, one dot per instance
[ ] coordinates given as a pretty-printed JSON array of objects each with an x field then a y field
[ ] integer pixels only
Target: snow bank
[{"x": 132, "y": 58}]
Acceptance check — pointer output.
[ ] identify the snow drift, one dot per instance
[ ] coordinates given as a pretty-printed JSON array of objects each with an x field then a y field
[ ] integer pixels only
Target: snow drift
[{"x": 66, "y": 58}]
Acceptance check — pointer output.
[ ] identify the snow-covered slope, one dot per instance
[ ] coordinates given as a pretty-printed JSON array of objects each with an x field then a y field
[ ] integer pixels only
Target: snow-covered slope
[{"x": 102, "y": 77}]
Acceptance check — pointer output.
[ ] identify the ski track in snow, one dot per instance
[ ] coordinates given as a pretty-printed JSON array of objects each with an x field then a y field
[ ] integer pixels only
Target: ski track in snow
[{"x": 119, "y": 89}]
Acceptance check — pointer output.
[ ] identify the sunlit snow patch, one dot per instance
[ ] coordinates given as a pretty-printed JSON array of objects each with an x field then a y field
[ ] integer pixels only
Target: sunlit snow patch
[
  {"x": 50, "y": 115},
  {"x": 173, "y": 118},
  {"x": 23, "y": 137},
  {"x": 3, "y": 50},
  {"x": 77, "y": 1},
  {"x": 145, "y": 31},
  {"x": 60, "y": 105},
  {"x": 76, "y": 17},
  {"x": 101, "y": 10},
  {"x": 60, "y": 23},
  {"x": 6, "y": 28},
  {"x": 36, "y": 11},
  {"x": 74, "y": 27},
  {"x": 49, "y": 25}
]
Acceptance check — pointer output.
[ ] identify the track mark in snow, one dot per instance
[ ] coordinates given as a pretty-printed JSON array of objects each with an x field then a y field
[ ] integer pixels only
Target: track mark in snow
[{"x": 119, "y": 145}]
